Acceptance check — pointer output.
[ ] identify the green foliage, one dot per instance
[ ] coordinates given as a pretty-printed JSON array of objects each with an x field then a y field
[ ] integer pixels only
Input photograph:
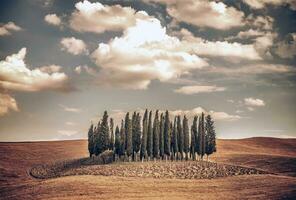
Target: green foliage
[
  {"x": 202, "y": 144},
  {"x": 117, "y": 141},
  {"x": 186, "y": 136},
  {"x": 167, "y": 134},
  {"x": 137, "y": 133},
  {"x": 104, "y": 134},
  {"x": 210, "y": 136},
  {"x": 175, "y": 138},
  {"x": 180, "y": 136},
  {"x": 128, "y": 134},
  {"x": 192, "y": 144},
  {"x": 91, "y": 140},
  {"x": 122, "y": 139},
  {"x": 150, "y": 137},
  {"x": 144, "y": 136},
  {"x": 97, "y": 134},
  {"x": 161, "y": 136},
  {"x": 111, "y": 134},
  {"x": 156, "y": 136}
]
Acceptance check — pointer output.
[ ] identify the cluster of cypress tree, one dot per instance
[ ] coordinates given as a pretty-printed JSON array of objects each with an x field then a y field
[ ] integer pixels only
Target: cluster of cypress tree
[{"x": 162, "y": 139}]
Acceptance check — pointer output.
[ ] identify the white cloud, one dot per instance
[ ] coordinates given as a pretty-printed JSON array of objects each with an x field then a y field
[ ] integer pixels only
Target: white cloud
[
  {"x": 98, "y": 18},
  {"x": 67, "y": 132},
  {"x": 73, "y": 45},
  {"x": 204, "y": 13},
  {"x": 155, "y": 56},
  {"x": 6, "y": 29},
  {"x": 261, "y": 68},
  {"x": 260, "y": 4},
  {"x": 287, "y": 49},
  {"x": 232, "y": 51},
  {"x": 7, "y": 103},
  {"x": 195, "y": 89},
  {"x": 85, "y": 68},
  {"x": 254, "y": 102},
  {"x": 70, "y": 109},
  {"x": 15, "y": 75},
  {"x": 220, "y": 116},
  {"x": 53, "y": 19}
]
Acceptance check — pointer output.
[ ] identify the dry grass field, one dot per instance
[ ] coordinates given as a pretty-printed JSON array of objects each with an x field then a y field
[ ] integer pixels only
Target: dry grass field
[{"x": 276, "y": 156}]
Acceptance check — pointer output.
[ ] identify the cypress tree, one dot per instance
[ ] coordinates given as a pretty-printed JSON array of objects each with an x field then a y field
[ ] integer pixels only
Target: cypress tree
[
  {"x": 143, "y": 152},
  {"x": 137, "y": 136},
  {"x": 128, "y": 133},
  {"x": 186, "y": 136},
  {"x": 175, "y": 148},
  {"x": 104, "y": 135},
  {"x": 150, "y": 137},
  {"x": 117, "y": 141},
  {"x": 210, "y": 136},
  {"x": 122, "y": 139},
  {"x": 91, "y": 140},
  {"x": 192, "y": 144},
  {"x": 180, "y": 137},
  {"x": 134, "y": 122},
  {"x": 111, "y": 134},
  {"x": 156, "y": 136},
  {"x": 167, "y": 134},
  {"x": 202, "y": 137},
  {"x": 161, "y": 136},
  {"x": 196, "y": 135},
  {"x": 97, "y": 140}
]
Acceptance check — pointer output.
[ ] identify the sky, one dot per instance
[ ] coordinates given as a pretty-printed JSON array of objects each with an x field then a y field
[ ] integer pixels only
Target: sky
[{"x": 62, "y": 63}]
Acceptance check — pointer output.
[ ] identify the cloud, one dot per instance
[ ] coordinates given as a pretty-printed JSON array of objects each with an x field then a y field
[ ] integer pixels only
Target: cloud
[
  {"x": 231, "y": 51},
  {"x": 15, "y": 75},
  {"x": 195, "y": 89},
  {"x": 73, "y": 45},
  {"x": 70, "y": 109},
  {"x": 7, "y": 103},
  {"x": 98, "y": 18},
  {"x": 254, "y": 102},
  {"x": 260, "y": 4},
  {"x": 155, "y": 55},
  {"x": 287, "y": 48},
  {"x": 53, "y": 19},
  {"x": 85, "y": 68},
  {"x": 67, "y": 132},
  {"x": 260, "y": 68},
  {"x": 6, "y": 29},
  {"x": 203, "y": 13}
]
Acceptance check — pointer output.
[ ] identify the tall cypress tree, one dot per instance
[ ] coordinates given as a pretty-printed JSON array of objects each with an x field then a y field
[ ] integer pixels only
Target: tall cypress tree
[
  {"x": 192, "y": 144},
  {"x": 91, "y": 140},
  {"x": 150, "y": 137},
  {"x": 167, "y": 134},
  {"x": 137, "y": 136},
  {"x": 134, "y": 122},
  {"x": 180, "y": 137},
  {"x": 143, "y": 152},
  {"x": 111, "y": 134},
  {"x": 122, "y": 139},
  {"x": 97, "y": 140},
  {"x": 104, "y": 135},
  {"x": 175, "y": 139},
  {"x": 210, "y": 136},
  {"x": 156, "y": 136},
  {"x": 117, "y": 141},
  {"x": 202, "y": 137},
  {"x": 195, "y": 132},
  {"x": 128, "y": 133},
  {"x": 186, "y": 136},
  {"x": 161, "y": 136}
]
